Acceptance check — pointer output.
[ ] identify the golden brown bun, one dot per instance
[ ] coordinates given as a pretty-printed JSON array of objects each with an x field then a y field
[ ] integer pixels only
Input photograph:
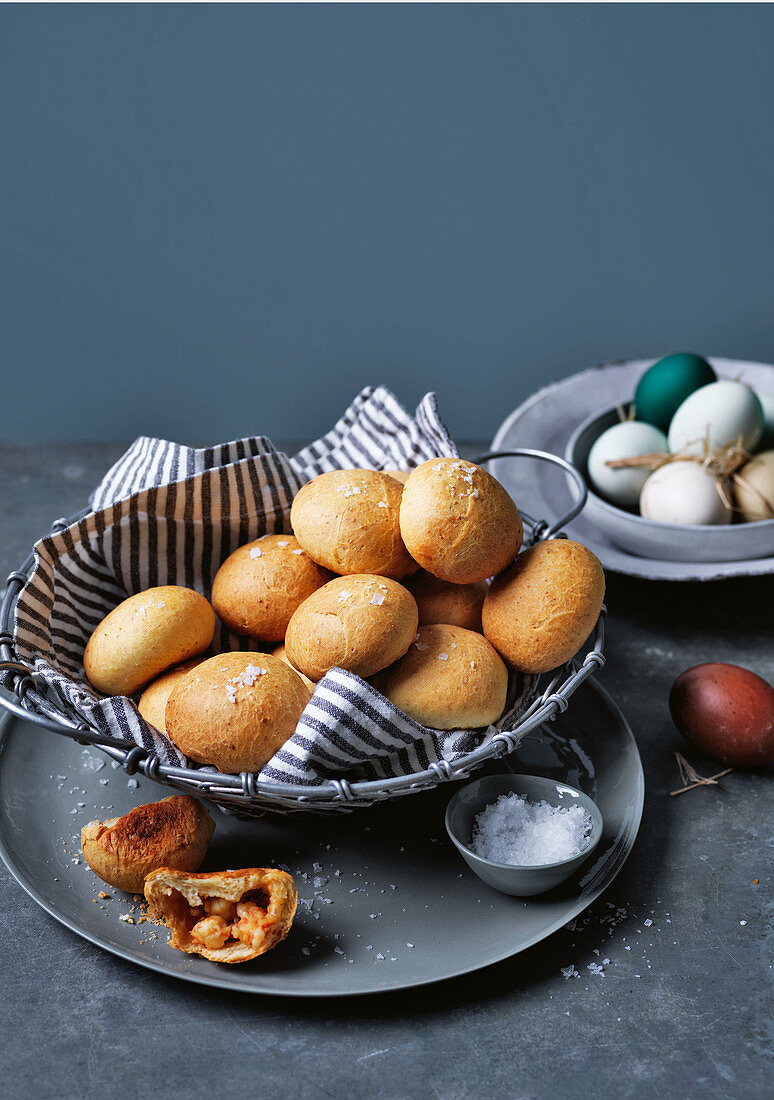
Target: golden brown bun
[
  {"x": 280, "y": 652},
  {"x": 360, "y": 623},
  {"x": 180, "y": 899},
  {"x": 174, "y": 832},
  {"x": 146, "y": 634},
  {"x": 458, "y": 522},
  {"x": 153, "y": 702},
  {"x": 398, "y": 475},
  {"x": 260, "y": 585},
  {"x": 347, "y": 521},
  {"x": 235, "y": 710},
  {"x": 539, "y": 612},
  {"x": 441, "y": 602},
  {"x": 451, "y": 678}
]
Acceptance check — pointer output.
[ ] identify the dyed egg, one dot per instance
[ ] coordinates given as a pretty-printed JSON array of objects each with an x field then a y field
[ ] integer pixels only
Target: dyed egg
[
  {"x": 723, "y": 412},
  {"x": 664, "y": 386},
  {"x": 755, "y": 498},
  {"x": 767, "y": 404},
  {"x": 626, "y": 440},
  {"x": 683, "y": 492},
  {"x": 727, "y": 711}
]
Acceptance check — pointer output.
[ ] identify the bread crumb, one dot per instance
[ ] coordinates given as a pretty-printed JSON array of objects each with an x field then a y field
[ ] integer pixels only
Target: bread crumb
[
  {"x": 126, "y": 918},
  {"x": 103, "y": 895}
]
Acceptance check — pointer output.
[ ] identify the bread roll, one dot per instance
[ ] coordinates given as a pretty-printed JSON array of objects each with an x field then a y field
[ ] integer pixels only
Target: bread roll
[
  {"x": 539, "y": 612},
  {"x": 225, "y": 916},
  {"x": 441, "y": 602},
  {"x": 360, "y": 623},
  {"x": 451, "y": 678},
  {"x": 458, "y": 522},
  {"x": 398, "y": 475},
  {"x": 146, "y": 634},
  {"x": 153, "y": 702},
  {"x": 174, "y": 832},
  {"x": 281, "y": 653},
  {"x": 348, "y": 522},
  {"x": 235, "y": 710},
  {"x": 260, "y": 585}
]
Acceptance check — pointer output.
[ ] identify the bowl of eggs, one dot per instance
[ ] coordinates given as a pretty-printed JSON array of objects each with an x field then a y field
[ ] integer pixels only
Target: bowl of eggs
[{"x": 685, "y": 471}]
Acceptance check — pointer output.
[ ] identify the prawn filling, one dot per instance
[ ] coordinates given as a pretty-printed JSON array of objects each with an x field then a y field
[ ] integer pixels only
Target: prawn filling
[{"x": 218, "y": 922}]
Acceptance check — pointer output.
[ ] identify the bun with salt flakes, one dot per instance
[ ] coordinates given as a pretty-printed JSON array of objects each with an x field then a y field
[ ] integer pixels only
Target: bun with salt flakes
[
  {"x": 235, "y": 710},
  {"x": 451, "y": 678},
  {"x": 458, "y": 522},
  {"x": 348, "y": 522},
  {"x": 359, "y": 623},
  {"x": 442, "y": 602},
  {"x": 260, "y": 585}
]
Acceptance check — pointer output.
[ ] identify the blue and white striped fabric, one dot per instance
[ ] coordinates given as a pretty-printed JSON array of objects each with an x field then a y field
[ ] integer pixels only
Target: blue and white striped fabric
[{"x": 167, "y": 514}]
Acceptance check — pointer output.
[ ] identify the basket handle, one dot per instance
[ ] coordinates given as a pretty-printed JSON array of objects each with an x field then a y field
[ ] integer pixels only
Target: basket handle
[{"x": 542, "y": 529}]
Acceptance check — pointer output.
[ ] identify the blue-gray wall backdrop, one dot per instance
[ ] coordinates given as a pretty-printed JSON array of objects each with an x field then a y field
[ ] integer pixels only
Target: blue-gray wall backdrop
[{"x": 221, "y": 220}]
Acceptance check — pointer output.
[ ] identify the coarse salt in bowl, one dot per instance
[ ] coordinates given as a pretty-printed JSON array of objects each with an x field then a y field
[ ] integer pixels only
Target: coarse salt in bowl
[{"x": 523, "y": 834}]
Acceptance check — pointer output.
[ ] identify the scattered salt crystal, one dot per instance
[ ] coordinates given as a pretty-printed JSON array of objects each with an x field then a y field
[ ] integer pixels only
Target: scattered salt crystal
[
  {"x": 383, "y": 504},
  {"x": 379, "y": 955},
  {"x": 570, "y": 972},
  {"x": 343, "y": 596},
  {"x": 299, "y": 551},
  {"x": 411, "y": 945},
  {"x": 594, "y": 968},
  {"x": 420, "y": 646},
  {"x": 515, "y": 831},
  {"x": 126, "y": 917},
  {"x": 93, "y": 764},
  {"x": 305, "y": 951},
  {"x": 648, "y": 922},
  {"x": 377, "y": 598},
  {"x": 443, "y": 656},
  {"x": 255, "y": 552},
  {"x": 282, "y": 542},
  {"x": 133, "y": 784},
  {"x": 743, "y": 922}
]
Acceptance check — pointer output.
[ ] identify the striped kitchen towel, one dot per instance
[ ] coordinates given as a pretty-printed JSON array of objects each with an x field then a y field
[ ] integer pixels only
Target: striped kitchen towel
[{"x": 168, "y": 514}]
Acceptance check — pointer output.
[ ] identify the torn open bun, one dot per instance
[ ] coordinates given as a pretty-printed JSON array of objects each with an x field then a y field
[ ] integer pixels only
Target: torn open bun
[{"x": 224, "y": 916}]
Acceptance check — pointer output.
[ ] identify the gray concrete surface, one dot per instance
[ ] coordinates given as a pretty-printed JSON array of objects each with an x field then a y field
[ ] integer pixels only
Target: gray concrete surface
[{"x": 686, "y": 1012}]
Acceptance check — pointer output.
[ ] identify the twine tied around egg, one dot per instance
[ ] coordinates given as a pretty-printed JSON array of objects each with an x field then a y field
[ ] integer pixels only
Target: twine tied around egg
[{"x": 723, "y": 463}]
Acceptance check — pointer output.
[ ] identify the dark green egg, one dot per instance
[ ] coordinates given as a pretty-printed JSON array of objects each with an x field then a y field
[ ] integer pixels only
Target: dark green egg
[{"x": 664, "y": 386}]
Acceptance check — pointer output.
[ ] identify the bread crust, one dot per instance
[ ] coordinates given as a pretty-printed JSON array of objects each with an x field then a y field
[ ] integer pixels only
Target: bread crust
[
  {"x": 539, "y": 612},
  {"x": 172, "y": 894},
  {"x": 260, "y": 585},
  {"x": 145, "y": 635},
  {"x": 458, "y": 522},
  {"x": 451, "y": 678},
  {"x": 173, "y": 832},
  {"x": 359, "y": 623},
  {"x": 153, "y": 701},
  {"x": 282, "y": 654},
  {"x": 348, "y": 521},
  {"x": 235, "y": 710},
  {"x": 442, "y": 602}
]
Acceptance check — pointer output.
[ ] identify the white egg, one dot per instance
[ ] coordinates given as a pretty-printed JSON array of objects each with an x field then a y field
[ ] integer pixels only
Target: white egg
[
  {"x": 720, "y": 413},
  {"x": 626, "y": 440},
  {"x": 683, "y": 492}
]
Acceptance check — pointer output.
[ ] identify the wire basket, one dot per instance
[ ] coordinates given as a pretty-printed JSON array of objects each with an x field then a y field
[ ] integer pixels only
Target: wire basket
[{"x": 246, "y": 793}]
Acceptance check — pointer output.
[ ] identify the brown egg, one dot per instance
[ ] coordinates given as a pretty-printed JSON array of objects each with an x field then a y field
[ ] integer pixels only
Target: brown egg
[{"x": 727, "y": 711}]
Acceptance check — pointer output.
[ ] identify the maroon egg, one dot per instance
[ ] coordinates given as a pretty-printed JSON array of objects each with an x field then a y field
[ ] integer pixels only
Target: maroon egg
[{"x": 727, "y": 711}]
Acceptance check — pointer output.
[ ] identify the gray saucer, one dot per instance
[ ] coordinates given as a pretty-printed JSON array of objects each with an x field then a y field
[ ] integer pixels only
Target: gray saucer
[{"x": 387, "y": 902}]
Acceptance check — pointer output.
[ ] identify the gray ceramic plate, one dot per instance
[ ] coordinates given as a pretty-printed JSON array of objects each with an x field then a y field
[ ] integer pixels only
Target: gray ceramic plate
[
  {"x": 394, "y": 902},
  {"x": 547, "y": 420}
]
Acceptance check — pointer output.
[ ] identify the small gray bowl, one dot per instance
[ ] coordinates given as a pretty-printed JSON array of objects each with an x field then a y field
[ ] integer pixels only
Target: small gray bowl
[
  {"x": 649, "y": 538},
  {"x": 507, "y": 877}
]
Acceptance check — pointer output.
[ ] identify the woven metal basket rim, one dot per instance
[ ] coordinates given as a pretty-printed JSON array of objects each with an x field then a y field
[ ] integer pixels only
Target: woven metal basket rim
[{"x": 245, "y": 791}]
